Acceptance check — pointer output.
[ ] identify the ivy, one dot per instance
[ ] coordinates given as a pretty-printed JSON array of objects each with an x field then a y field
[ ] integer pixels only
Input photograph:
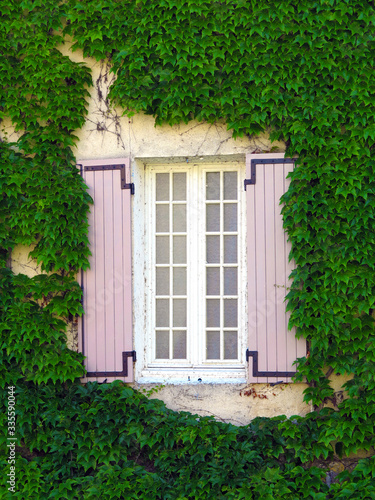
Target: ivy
[
  {"x": 302, "y": 72},
  {"x": 141, "y": 449}
]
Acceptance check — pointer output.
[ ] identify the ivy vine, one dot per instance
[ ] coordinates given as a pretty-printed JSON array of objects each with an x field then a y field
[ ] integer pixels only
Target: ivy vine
[{"x": 301, "y": 71}]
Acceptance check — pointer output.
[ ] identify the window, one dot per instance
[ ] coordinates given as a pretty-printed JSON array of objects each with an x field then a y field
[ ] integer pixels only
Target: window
[
  {"x": 188, "y": 277},
  {"x": 195, "y": 240}
]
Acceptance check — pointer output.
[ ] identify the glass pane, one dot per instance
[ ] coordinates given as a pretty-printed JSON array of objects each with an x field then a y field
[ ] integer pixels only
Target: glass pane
[
  {"x": 213, "y": 280},
  {"x": 230, "y": 313},
  {"x": 213, "y": 312},
  {"x": 179, "y": 218},
  {"x": 230, "y": 249},
  {"x": 230, "y": 281},
  {"x": 230, "y": 217},
  {"x": 230, "y": 345},
  {"x": 213, "y": 249},
  {"x": 162, "y": 218},
  {"x": 179, "y": 312},
  {"x": 162, "y": 249},
  {"x": 230, "y": 185},
  {"x": 179, "y": 280},
  {"x": 162, "y": 187},
  {"x": 179, "y": 186},
  {"x": 213, "y": 186},
  {"x": 162, "y": 312},
  {"x": 162, "y": 281},
  {"x": 179, "y": 345},
  {"x": 213, "y": 345},
  {"x": 213, "y": 217},
  {"x": 162, "y": 345},
  {"x": 179, "y": 249}
]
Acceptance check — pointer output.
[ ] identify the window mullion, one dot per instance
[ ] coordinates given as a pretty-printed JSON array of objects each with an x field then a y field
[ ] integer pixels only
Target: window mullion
[
  {"x": 221, "y": 264},
  {"x": 170, "y": 266},
  {"x": 195, "y": 266},
  {"x": 190, "y": 347}
]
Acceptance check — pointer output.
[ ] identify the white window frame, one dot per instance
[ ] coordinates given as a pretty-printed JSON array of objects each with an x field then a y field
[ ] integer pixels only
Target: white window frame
[{"x": 198, "y": 370}]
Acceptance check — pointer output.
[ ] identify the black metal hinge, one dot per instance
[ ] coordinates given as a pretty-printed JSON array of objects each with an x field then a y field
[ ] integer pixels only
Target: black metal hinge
[
  {"x": 255, "y": 162},
  {"x": 257, "y": 373},
  {"x": 123, "y": 373},
  {"x": 121, "y": 167}
]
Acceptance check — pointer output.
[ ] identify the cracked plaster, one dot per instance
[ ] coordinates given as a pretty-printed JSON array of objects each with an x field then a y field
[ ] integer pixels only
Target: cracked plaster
[
  {"x": 108, "y": 134},
  {"x": 231, "y": 403}
]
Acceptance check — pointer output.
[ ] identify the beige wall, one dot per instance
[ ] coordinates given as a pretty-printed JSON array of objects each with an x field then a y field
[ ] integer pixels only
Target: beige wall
[
  {"x": 234, "y": 403},
  {"x": 107, "y": 134}
]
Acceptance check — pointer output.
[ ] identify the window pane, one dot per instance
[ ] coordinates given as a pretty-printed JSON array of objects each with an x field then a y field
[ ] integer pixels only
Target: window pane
[
  {"x": 230, "y": 217},
  {"x": 162, "y": 218},
  {"x": 162, "y": 344},
  {"x": 162, "y": 281},
  {"x": 179, "y": 344},
  {"x": 230, "y": 281},
  {"x": 230, "y": 249},
  {"x": 162, "y": 249},
  {"x": 213, "y": 280},
  {"x": 213, "y": 312},
  {"x": 179, "y": 280},
  {"x": 179, "y": 218},
  {"x": 213, "y": 217},
  {"x": 179, "y": 186},
  {"x": 162, "y": 187},
  {"x": 230, "y": 185},
  {"x": 230, "y": 345},
  {"x": 230, "y": 313},
  {"x": 179, "y": 312},
  {"x": 213, "y": 186},
  {"x": 213, "y": 345},
  {"x": 162, "y": 312},
  {"x": 213, "y": 249},
  {"x": 179, "y": 249}
]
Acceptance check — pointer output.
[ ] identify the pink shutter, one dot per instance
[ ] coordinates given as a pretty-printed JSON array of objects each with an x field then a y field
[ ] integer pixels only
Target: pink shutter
[
  {"x": 272, "y": 348},
  {"x": 106, "y": 326}
]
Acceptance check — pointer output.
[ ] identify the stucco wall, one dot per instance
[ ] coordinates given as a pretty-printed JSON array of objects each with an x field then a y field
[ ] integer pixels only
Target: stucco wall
[{"x": 107, "y": 134}]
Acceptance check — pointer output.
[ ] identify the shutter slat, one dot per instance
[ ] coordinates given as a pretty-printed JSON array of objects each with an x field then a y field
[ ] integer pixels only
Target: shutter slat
[
  {"x": 269, "y": 229},
  {"x": 282, "y": 273},
  {"x": 99, "y": 275},
  {"x": 89, "y": 280},
  {"x": 110, "y": 179},
  {"x": 293, "y": 345},
  {"x": 118, "y": 273}
]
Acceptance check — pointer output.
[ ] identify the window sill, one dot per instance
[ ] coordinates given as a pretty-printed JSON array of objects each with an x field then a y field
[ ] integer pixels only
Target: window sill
[{"x": 193, "y": 375}]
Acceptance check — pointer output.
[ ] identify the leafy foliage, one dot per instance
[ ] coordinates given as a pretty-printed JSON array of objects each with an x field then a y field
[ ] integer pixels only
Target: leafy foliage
[
  {"x": 302, "y": 71},
  {"x": 109, "y": 441}
]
